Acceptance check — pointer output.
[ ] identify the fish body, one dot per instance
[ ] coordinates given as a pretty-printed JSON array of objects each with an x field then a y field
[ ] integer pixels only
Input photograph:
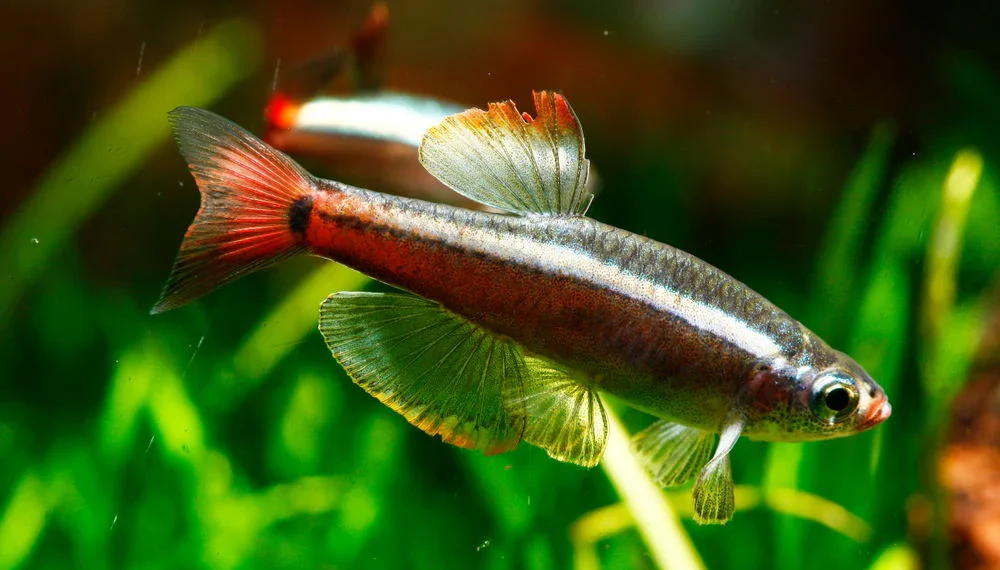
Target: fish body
[
  {"x": 513, "y": 322},
  {"x": 642, "y": 320}
]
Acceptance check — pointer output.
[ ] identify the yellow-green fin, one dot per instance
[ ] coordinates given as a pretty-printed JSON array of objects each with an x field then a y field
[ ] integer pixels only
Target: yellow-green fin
[
  {"x": 566, "y": 418},
  {"x": 511, "y": 161},
  {"x": 713, "y": 490},
  {"x": 672, "y": 453},
  {"x": 445, "y": 375}
]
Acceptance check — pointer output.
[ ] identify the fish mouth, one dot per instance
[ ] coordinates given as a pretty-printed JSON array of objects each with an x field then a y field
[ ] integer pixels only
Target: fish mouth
[{"x": 879, "y": 411}]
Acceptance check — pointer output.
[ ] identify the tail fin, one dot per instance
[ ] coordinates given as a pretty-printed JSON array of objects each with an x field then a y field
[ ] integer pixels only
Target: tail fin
[{"x": 255, "y": 206}]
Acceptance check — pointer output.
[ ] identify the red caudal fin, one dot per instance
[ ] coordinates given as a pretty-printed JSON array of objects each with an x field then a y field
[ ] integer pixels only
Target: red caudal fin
[{"x": 255, "y": 206}]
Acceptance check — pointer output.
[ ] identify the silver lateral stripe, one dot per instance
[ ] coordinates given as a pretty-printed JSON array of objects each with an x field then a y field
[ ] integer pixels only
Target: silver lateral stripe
[
  {"x": 391, "y": 117},
  {"x": 678, "y": 303},
  {"x": 575, "y": 263}
]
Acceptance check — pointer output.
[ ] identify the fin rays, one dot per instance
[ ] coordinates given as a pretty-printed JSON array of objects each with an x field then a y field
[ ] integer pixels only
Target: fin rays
[
  {"x": 448, "y": 377},
  {"x": 429, "y": 365},
  {"x": 672, "y": 453},
  {"x": 565, "y": 417},
  {"x": 247, "y": 189},
  {"x": 504, "y": 159},
  {"x": 714, "y": 502}
]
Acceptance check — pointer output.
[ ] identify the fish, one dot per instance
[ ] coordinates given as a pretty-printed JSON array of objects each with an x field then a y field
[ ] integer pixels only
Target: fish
[
  {"x": 336, "y": 111},
  {"x": 506, "y": 327},
  {"x": 363, "y": 132},
  {"x": 368, "y": 139}
]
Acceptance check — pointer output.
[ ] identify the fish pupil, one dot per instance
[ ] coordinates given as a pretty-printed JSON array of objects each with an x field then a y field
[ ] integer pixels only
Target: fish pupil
[{"x": 838, "y": 399}]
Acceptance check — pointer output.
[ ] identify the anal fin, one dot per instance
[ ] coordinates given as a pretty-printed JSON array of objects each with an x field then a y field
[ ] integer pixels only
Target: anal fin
[
  {"x": 672, "y": 453},
  {"x": 564, "y": 416},
  {"x": 444, "y": 374}
]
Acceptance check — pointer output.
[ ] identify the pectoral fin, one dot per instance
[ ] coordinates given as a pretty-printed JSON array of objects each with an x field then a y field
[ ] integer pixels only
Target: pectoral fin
[
  {"x": 444, "y": 374},
  {"x": 713, "y": 490},
  {"x": 565, "y": 417},
  {"x": 671, "y": 452}
]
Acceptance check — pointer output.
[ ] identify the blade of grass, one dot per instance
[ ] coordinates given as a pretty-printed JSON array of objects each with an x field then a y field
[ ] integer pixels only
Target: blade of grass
[
  {"x": 23, "y": 521},
  {"x": 126, "y": 396},
  {"x": 880, "y": 341},
  {"x": 365, "y": 503},
  {"x": 280, "y": 331},
  {"x": 601, "y": 523},
  {"x": 948, "y": 336},
  {"x": 115, "y": 147},
  {"x": 593, "y": 527},
  {"x": 897, "y": 557},
  {"x": 313, "y": 404},
  {"x": 943, "y": 252},
  {"x": 292, "y": 319},
  {"x": 669, "y": 544},
  {"x": 840, "y": 255},
  {"x": 538, "y": 554},
  {"x": 807, "y": 506},
  {"x": 946, "y": 242},
  {"x": 226, "y": 521},
  {"x": 837, "y": 277}
]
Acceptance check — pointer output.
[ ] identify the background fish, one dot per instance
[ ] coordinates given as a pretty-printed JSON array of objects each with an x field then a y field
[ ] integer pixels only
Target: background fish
[
  {"x": 520, "y": 319},
  {"x": 369, "y": 139},
  {"x": 335, "y": 110}
]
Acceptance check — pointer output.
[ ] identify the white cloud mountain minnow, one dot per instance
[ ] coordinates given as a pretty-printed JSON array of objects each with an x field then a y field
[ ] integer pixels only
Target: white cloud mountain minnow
[
  {"x": 359, "y": 132},
  {"x": 367, "y": 138},
  {"x": 514, "y": 322}
]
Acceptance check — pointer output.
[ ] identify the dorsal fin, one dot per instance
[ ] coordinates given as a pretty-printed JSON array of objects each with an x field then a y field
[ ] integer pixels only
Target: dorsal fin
[{"x": 508, "y": 160}]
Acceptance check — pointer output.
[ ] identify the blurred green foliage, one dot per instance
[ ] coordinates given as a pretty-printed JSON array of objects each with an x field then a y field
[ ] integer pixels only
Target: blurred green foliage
[{"x": 225, "y": 437}]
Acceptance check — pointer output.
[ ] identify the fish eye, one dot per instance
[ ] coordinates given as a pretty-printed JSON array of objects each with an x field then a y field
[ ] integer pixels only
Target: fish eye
[{"x": 834, "y": 397}]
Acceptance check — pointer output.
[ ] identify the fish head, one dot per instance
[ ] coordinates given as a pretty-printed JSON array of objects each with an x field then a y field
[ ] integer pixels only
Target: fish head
[{"x": 818, "y": 397}]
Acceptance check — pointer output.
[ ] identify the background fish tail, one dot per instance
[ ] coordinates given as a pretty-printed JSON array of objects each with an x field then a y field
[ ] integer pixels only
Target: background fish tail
[{"x": 255, "y": 205}]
